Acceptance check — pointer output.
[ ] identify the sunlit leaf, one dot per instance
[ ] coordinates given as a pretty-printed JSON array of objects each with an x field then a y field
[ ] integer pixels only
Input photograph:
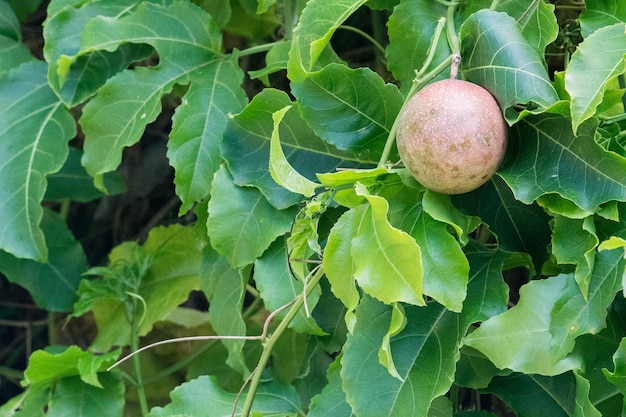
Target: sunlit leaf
[
  {"x": 34, "y": 130},
  {"x": 282, "y": 172},
  {"x": 497, "y": 56},
  {"x": 195, "y": 397},
  {"x": 163, "y": 271},
  {"x": 425, "y": 352},
  {"x": 598, "y": 60},
  {"x": 73, "y": 397},
  {"x": 242, "y": 223},
  {"x": 45, "y": 367},
  {"x": 198, "y": 126}
]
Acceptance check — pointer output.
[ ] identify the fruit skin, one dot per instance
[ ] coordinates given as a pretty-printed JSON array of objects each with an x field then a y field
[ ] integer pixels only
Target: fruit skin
[{"x": 451, "y": 136}]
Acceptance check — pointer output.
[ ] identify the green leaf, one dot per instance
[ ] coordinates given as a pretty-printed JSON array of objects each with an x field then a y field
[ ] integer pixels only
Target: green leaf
[
  {"x": 425, "y": 352},
  {"x": 162, "y": 272},
  {"x": 411, "y": 28},
  {"x": 225, "y": 288},
  {"x": 278, "y": 287},
  {"x": 519, "y": 227},
  {"x": 601, "y": 13},
  {"x": 550, "y": 314},
  {"x": 443, "y": 262},
  {"x": 574, "y": 242},
  {"x": 186, "y": 40},
  {"x": 549, "y": 158},
  {"x": 618, "y": 376},
  {"x": 536, "y": 19},
  {"x": 195, "y": 397},
  {"x": 75, "y": 81},
  {"x": 352, "y": 109},
  {"x": 597, "y": 61},
  {"x": 72, "y": 397},
  {"x": 45, "y": 367},
  {"x": 246, "y": 147},
  {"x": 9, "y": 23},
  {"x": 34, "y": 131},
  {"x": 53, "y": 284},
  {"x": 13, "y": 53},
  {"x": 564, "y": 395},
  {"x": 32, "y": 402},
  {"x": 387, "y": 261},
  {"x": 198, "y": 126},
  {"x": 497, "y": 56},
  {"x": 72, "y": 182},
  {"x": 242, "y": 223},
  {"x": 280, "y": 169},
  {"x": 331, "y": 402},
  {"x": 275, "y": 60},
  {"x": 317, "y": 24}
]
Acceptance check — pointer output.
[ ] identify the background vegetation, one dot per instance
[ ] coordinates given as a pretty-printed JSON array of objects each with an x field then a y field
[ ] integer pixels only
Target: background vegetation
[{"x": 220, "y": 178}]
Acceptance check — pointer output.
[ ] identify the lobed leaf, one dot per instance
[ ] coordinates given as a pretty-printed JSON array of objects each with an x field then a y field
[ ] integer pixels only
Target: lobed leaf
[
  {"x": 198, "y": 125},
  {"x": 352, "y": 109},
  {"x": 242, "y": 223},
  {"x": 186, "y": 39},
  {"x": 76, "y": 80},
  {"x": 597, "y": 61},
  {"x": 34, "y": 130},
  {"x": 497, "y": 56}
]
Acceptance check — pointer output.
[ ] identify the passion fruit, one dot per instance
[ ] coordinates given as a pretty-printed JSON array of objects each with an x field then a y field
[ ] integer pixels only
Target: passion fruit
[{"x": 451, "y": 136}]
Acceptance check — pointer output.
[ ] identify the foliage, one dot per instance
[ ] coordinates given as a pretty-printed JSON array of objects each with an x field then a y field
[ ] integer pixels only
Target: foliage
[{"x": 336, "y": 284}]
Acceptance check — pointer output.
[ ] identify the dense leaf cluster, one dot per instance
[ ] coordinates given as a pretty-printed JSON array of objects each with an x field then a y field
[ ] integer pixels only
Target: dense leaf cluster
[{"x": 337, "y": 285}]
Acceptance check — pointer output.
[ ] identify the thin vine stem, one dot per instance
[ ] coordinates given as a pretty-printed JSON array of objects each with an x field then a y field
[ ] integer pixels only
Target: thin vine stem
[
  {"x": 268, "y": 344},
  {"x": 366, "y": 35},
  {"x": 494, "y": 4},
  {"x": 417, "y": 85}
]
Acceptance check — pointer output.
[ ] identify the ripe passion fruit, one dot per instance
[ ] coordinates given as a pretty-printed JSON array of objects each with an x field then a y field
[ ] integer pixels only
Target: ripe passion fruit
[{"x": 451, "y": 136}]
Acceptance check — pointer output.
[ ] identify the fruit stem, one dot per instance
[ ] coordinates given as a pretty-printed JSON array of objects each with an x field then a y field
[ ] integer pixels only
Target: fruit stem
[{"x": 494, "y": 4}]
